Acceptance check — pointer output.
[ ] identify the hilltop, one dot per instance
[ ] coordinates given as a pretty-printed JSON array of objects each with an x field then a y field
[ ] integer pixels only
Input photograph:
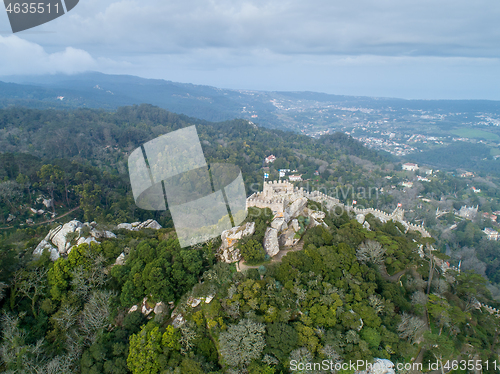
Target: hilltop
[{"x": 335, "y": 266}]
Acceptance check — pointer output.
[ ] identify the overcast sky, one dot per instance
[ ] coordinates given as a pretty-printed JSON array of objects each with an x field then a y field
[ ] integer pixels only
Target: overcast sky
[{"x": 397, "y": 48}]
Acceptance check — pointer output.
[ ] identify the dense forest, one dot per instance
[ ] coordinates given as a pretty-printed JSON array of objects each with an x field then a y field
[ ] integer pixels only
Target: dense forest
[{"x": 348, "y": 292}]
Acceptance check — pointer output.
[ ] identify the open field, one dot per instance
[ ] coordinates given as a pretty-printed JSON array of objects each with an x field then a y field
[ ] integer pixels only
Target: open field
[{"x": 475, "y": 134}]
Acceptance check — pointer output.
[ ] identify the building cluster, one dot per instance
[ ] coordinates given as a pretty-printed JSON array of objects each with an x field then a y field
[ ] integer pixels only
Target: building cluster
[
  {"x": 295, "y": 178},
  {"x": 280, "y": 196},
  {"x": 467, "y": 174},
  {"x": 468, "y": 212},
  {"x": 491, "y": 234},
  {"x": 388, "y": 145},
  {"x": 416, "y": 138},
  {"x": 490, "y": 216},
  {"x": 410, "y": 166},
  {"x": 270, "y": 159},
  {"x": 276, "y": 195}
]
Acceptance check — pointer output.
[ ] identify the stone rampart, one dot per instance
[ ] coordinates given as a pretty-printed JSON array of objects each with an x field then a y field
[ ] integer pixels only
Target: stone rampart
[{"x": 277, "y": 195}]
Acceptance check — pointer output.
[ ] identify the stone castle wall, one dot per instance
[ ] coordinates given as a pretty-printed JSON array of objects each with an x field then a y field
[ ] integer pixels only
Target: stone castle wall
[{"x": 277, "y": 195}]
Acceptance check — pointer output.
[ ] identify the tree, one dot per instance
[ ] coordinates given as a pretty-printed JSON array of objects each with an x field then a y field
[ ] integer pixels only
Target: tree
[
  {"x": 371, "y": 336},
  {"x": 24, "y": 181},
  {"x": 3, "y": 287},
  {"x": 331, "y": 353},
  {"x": 471, "y": 286},
  {"x": 242, "y": 343},
  {"x": 301, "y": 356},
  {"x": 9, "y": 191},
  {"x": 95, "y": 315},
  {"x": 370, "y": 251},
  {"x": 144, "y": 351},
  {"x": 376, "y": 303},
  {"x": 440, "y": 346},
  {"x": 18, "y": 356},
  {"x": 410, "y": 328},
  {"x": 438, "y": 308},
  {"x": 252, "y": 251},
  {"x": 188, "y": 335},
  {"x": 189, "y": 366},
  {"x": 171, "y": 338},
  {"x": 32, "y": 285},
  {"x": 281, "y": 339},
  {"x": 419, "y": 298},
  {"x": 90, "y": 198},
  {"x": 51, "y": 175}
]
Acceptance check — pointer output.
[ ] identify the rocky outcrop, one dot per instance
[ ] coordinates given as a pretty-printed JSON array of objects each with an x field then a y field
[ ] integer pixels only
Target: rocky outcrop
[
  {"x": 317, "y": 215},
  {"x": 380, "y": 366},
  {"x": 48, "y": 203},
  {"x": 236, "y": 233},
  {"x": 146, "y": 309},
  {"x": 271, "y": 245},
  {"x": 178, "y": 320},
  {"x": 279, "y": 224},
  {"x": 63, "y": 238},
  {"x": 120, "y": 260},
  {"x": 360, "y": 218},
  {"x": 83, "y": 240},
  {"x": 288, "y": 238},
  {"x": 45, "y": 245},
  {"x": 295, "y": 209},
  {"x": 193, "y": 302},
  {"x": 136, "y": 226},
  {"x": 229, "y": 255},
  {"x": 228, "y": 251},
  {"x": 59, "y": 234},
  {"x": 160, "y": 308},
  {"x": 102, "y": 234}
]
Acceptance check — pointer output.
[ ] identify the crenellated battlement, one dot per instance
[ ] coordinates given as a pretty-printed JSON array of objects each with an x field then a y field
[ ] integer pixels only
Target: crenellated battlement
[{"x": 277, "y": 195}]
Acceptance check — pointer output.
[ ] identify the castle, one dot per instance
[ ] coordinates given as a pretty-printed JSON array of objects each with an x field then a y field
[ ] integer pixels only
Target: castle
[
  {"x": 278, "y": 195},
  {"x": 468, "y": 212}
]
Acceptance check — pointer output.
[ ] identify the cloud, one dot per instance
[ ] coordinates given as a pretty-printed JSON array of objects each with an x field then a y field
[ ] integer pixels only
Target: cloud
[
  {"x": 457, "y": 28},
  {"x": 410, "y": 48},
  {"x": 19, "y": 57}
]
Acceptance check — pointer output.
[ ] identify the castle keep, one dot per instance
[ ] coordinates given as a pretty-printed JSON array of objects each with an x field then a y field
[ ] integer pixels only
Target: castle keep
[{"x": 279, "y": 195}]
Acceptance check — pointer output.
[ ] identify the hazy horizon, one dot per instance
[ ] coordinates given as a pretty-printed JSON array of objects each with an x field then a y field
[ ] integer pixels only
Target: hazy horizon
[{"x": 415, "y": 50}]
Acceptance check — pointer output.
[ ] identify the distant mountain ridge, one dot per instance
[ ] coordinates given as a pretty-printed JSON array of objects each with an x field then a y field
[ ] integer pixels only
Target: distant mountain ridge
[{"x": 270, "y": 109}]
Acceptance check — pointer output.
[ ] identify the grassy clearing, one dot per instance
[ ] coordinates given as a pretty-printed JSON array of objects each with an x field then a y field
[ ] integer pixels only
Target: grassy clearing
[
  {"x": 495, "y": 151},
  {"x": 475, "y": 134}
]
